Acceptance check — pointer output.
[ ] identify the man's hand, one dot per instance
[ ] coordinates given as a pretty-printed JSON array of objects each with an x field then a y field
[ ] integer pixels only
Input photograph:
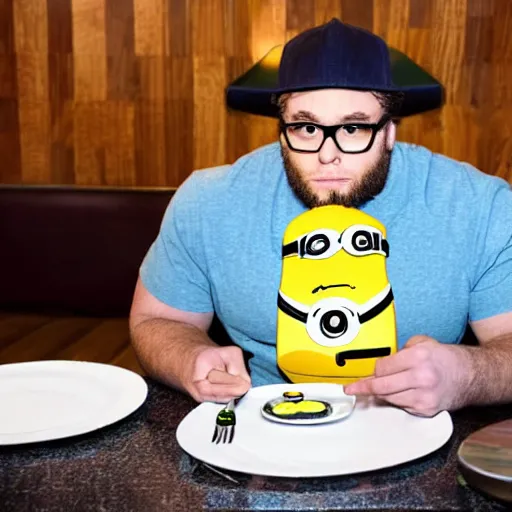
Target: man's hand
[
  {"x": 424, "y": 378},
  {"x": 216, "y": 374}
]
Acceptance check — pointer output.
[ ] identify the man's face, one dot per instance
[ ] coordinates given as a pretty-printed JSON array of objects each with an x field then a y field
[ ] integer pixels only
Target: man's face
[{"x": 331, "y": 176}]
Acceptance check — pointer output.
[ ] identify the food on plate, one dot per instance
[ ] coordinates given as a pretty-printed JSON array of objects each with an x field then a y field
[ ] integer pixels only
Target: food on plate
[
  {"x": 293, "y": 406},
  {"x": 293, "y": 396}
]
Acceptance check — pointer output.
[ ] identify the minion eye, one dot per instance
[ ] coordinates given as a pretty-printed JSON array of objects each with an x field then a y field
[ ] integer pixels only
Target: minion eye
[
  {"x": 317, "y": 245},
  {"x": 362, "y": 240}
]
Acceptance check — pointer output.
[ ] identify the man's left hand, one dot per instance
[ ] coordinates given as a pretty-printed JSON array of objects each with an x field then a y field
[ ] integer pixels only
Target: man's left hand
[{"x": 424, "y": 378}]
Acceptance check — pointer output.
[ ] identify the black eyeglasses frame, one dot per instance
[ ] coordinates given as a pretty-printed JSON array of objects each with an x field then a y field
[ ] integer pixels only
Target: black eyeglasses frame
[{"x": 330, "y": 132}]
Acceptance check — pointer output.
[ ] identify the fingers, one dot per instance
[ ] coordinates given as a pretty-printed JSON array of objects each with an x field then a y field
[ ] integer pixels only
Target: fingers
[
  {"x": 224, "y": 359},
  {"x": 417, "y": 377},
  {"x": 220, "y": 375},
  {"x": 222, "y": 387},
  {"x": 416, "y": 340},
  {"x": 392, "y": 375},
  {"x": 414, "y": 402},
  {"x": 234, "y": 361},
  {"x": 226, "y": 386},
  {"x": 361, "y": 387},
  {"x": 415, "y": 353},
  {"x": 409, "y": 379},
  {"x": 225, "y": 378},
  {"x": 382, "y": 386}
]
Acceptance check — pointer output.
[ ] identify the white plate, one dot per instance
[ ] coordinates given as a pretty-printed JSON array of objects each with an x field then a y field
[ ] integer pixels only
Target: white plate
[
  {"x": 374, "y": 436},
  {"x": 46, "y": 400},
  {"x": 342, "y": 405}
]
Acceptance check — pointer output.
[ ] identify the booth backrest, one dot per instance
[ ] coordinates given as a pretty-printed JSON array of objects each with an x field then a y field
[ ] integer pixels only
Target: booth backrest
[
  {"x": 78, "y": 250},
  {"x": 75, "y": 249}
]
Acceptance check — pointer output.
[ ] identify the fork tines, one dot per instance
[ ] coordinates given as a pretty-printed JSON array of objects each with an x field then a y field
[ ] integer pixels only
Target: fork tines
[{"x": 223, "y": 434}]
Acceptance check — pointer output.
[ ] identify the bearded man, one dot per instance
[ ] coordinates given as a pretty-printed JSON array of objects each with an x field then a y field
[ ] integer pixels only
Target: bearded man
[{"x": 449, "y": 227}]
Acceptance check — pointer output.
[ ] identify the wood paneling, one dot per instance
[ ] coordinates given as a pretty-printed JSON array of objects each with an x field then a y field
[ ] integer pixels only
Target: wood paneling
[{"x": 131, "y": 92}]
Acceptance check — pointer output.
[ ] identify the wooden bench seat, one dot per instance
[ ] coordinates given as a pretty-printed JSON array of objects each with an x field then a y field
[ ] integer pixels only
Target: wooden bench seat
[{"x": 37, "y": 337}]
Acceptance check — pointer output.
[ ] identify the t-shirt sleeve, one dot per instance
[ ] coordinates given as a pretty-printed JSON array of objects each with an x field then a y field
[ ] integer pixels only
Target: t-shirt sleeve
[
  {"x": 491, "y": 292},
  {"x": 174, "y": 269}
]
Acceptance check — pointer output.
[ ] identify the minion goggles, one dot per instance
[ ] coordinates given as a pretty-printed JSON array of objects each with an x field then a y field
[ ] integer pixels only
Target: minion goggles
[{"x": 357, "y": 240}]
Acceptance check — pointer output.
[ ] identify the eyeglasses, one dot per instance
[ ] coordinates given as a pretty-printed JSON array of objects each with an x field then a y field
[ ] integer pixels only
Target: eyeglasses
[{"x": 351, "y": 138}]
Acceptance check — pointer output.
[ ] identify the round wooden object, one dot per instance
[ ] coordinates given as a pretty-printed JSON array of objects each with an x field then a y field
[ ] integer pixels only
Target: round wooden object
[{"x": 486, "y": 459}]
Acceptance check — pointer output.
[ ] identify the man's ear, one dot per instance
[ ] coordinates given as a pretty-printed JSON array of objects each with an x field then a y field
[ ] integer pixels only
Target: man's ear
[{"x": 391, "y": 136}]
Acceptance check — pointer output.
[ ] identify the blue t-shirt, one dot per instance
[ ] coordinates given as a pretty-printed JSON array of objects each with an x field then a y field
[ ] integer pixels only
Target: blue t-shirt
[{"x": 449, "y": 228}]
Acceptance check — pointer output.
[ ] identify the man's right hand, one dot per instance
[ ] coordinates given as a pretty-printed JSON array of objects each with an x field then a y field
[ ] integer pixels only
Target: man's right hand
[
  {"x": 218, "y": 374},
  {"x": 173, "y": 347}
]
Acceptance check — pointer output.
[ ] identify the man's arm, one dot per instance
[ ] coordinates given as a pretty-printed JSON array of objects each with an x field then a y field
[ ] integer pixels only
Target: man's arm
[
  {"x": 426, "y": 376},
  {"x": 491, "y": 362},
  {"x": 174, "y": 348}
]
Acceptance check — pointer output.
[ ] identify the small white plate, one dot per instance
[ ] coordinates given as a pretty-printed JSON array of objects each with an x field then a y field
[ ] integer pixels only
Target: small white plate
[
  {"x": 47, "y": 400},
  {"x": 342, "y": 405}
]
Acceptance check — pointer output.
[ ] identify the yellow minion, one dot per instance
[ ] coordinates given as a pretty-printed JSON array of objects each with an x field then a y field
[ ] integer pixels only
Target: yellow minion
[{"x": 336, "y": 313}]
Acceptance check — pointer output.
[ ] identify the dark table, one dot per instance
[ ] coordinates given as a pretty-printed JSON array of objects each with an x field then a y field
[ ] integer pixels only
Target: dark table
[{"x": 137, "y": 465}]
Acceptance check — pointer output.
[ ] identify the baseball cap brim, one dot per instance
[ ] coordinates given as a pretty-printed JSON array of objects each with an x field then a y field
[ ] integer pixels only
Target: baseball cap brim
[{"x": 255, "y": 91}]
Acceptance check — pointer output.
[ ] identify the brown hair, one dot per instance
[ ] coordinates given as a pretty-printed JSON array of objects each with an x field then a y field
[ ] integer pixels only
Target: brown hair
[
  {"x": 280, "y": 101},
  {"x": 390, "y": 101}
]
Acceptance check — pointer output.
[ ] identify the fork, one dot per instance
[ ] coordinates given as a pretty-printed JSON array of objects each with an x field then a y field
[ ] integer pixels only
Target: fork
[{"x": 225, "y": 424}]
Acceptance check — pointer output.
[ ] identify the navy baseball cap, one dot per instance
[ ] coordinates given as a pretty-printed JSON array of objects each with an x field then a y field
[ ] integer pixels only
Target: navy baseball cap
[{"x": 334, "y": 55}]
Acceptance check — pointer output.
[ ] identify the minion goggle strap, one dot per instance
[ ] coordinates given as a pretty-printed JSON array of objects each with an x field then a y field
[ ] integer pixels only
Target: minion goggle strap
[
  {"x": 357, "y": 240},
  {"x": 335, "y": 321}
]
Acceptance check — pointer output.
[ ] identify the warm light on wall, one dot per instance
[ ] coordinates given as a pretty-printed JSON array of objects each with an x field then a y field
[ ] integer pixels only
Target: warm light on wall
[
  {"x": 261, "y": 46},
  {"x": 273, "y": 57}
]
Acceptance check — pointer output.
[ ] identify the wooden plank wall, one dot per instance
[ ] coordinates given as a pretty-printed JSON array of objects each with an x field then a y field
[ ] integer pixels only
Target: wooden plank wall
[{"x": 131, "y": 92}]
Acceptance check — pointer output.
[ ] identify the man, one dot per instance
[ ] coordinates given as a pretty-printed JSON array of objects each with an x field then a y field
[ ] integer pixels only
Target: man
[{"x": 449, "y": 227}]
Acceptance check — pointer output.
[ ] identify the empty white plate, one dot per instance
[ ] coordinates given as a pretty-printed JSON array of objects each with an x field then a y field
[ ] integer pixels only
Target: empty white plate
[{"x": 46, "y": 400}]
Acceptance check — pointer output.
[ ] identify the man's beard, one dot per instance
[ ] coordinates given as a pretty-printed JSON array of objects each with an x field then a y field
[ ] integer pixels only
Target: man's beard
[{"x": 369, "y": 185}]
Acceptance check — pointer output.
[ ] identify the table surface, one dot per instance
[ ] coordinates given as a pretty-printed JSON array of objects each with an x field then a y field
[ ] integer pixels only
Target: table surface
[{"x": 137, "y": 464}]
